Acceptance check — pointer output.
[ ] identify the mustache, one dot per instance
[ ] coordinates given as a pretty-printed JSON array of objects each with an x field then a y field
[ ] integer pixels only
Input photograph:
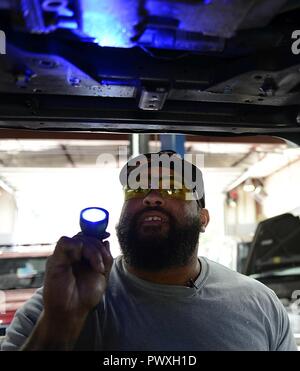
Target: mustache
[{"x": 136, "y": 217}]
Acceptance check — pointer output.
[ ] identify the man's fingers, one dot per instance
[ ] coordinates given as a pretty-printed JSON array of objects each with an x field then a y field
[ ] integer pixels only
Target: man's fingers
[
  {"x": 107, "y": 257},
  {"x": 96, "y": 252},
  {"x": 102, "y": 247},
  {"x": 94, "y": 257},
  {"x": 68, "y": 250}
]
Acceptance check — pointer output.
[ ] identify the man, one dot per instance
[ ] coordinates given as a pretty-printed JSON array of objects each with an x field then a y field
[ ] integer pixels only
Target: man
[{"x": 160, "y": 295}]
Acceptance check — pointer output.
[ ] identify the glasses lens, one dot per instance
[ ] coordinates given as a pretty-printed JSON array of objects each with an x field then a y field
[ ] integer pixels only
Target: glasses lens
[
  {"x": 179, "y": 194},
  {"x": 135, "y": 193}
]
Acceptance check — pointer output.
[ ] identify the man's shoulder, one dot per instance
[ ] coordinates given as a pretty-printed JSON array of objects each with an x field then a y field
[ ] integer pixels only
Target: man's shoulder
[
  {"x": 233, "y": 288},
  {"x": 245, "y": 295},
  {"x": 228, "y": 279}
]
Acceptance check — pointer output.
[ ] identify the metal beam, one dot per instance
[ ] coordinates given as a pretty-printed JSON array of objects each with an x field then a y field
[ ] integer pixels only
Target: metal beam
[
  {"x": 173, "y": 142},
  {"x": 85, "y": 135},
  {"x": 29, "y": 111}
]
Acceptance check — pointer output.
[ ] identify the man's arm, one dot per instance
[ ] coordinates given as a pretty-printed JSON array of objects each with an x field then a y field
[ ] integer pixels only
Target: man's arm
[
  {"x": 23, "y": 322},
  {"x": 54, "y": 333},
  {"x": 75, "y": 281}
]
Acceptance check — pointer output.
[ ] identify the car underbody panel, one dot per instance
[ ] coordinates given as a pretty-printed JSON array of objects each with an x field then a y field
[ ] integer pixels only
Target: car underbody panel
[{"x": 151, "y": 66}]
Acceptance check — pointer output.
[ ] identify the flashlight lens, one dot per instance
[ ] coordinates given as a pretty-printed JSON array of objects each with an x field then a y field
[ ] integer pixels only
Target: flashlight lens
[{"x": 94, "y": 215}]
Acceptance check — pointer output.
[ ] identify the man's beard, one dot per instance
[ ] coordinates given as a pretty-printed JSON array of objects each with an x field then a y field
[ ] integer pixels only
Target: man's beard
[{"x": 157, "y": 251}]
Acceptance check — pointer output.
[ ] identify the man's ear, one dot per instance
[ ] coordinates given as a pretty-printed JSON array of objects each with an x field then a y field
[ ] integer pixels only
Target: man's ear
[{"x": 204, "y": 219}]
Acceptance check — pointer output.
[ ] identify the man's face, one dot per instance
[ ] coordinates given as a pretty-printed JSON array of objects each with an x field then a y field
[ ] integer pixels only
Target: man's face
[{"x": 157, "y": 232}]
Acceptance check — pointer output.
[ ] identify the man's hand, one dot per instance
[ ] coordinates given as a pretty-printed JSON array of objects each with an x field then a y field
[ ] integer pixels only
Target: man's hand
[
  {"x": 76, "y": 276},
  {"x": 75, "y": 281}
]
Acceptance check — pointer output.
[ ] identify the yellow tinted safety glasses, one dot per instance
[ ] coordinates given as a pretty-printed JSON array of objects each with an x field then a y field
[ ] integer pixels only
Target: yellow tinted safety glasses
[{"x": 179, "y": 194}]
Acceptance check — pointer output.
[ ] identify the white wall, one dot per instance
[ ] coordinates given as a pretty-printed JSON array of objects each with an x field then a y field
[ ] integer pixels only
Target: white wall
[
  {"x": 240, "y": 221},
  {"x": 7, "y": 216},
  {"x": 213, "y": 243},
  {"x": 50, "y": 204},
  {"x": 283, "y": 189}
]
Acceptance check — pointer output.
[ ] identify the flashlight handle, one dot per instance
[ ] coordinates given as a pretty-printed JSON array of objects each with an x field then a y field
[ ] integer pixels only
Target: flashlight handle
[
  {"x": 104, "y": 236},
  {"x": 100, "y": 237}
]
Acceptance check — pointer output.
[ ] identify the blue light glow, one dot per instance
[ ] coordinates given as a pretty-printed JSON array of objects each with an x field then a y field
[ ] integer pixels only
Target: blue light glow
[
  {"x": 94, "y": 215},
  {"x": 110, "y": 22},
  {"x": 150, "y": 23}
]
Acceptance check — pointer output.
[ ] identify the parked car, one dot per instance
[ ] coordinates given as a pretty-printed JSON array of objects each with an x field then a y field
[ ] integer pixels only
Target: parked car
[
  {"x": 21, "y": 273},
  {"x": 274, "y": 259}
]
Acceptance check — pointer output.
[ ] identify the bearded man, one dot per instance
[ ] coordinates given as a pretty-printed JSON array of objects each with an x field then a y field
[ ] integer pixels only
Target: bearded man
[{"x": 159, "y": 295}]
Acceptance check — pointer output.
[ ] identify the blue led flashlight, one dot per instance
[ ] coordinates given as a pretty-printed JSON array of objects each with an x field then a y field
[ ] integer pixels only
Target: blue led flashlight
[{"x": 94, "y": 221}]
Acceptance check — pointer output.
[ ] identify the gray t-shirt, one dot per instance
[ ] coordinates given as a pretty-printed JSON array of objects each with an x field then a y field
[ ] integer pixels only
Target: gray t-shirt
[{"x": 225, "y": 311}]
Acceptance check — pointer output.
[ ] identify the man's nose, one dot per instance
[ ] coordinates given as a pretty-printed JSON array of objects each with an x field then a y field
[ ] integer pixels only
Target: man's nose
[{"x": 153, "y": 198}]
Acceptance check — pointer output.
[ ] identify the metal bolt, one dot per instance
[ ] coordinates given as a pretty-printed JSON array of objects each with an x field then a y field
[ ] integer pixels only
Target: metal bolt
[
  {"x": 298, "y": 118},
  {"x": 74, "y": 81},
  {"x": 227, "y": 89},
  {"x": 47, "y": 63},
  {"x": 269, "y": 87}
]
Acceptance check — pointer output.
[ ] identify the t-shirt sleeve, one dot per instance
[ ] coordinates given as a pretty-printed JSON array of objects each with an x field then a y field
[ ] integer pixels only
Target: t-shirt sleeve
[
  {"x": 284, "y": 339},
  {"x": 23, "y": 322}
]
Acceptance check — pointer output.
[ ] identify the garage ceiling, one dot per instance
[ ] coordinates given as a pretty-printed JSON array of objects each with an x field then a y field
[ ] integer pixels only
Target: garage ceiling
[{"x": 26, "y": 163}]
